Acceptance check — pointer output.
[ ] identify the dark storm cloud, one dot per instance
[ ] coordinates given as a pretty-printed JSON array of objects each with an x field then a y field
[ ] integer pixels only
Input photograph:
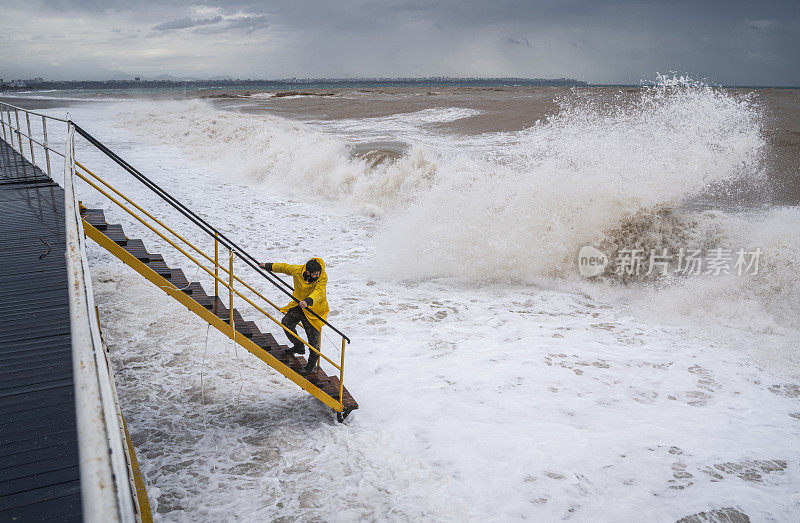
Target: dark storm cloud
[
  {"x": 760, "y": 25},
  {"x": 185, "y": 23},
  {"x": 731, "y": 41},
  {"x": 248, "y": 24},
  {"x": 521, "y": 41}
]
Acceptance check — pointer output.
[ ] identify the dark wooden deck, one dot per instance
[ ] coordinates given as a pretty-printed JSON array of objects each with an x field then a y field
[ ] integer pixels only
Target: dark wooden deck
[{"x": 39, "y": 478}]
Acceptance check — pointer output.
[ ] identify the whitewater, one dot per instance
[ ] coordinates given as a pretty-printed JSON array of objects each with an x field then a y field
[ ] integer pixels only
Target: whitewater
[{"x": 494, "y": 382}]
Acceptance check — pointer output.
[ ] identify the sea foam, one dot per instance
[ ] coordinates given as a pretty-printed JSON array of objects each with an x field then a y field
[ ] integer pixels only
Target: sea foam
[{"x": 613, "y": 171}]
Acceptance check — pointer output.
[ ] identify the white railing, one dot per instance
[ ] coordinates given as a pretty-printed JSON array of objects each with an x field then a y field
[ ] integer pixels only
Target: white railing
[
  {"x": 107, "y": 490},
  {"x": 12, "y": 127},
  {"x": 103, "y": 462}
]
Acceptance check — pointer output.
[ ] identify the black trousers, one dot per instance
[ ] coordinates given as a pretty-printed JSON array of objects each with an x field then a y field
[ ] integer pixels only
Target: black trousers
[{"x": 290, "y": 321}]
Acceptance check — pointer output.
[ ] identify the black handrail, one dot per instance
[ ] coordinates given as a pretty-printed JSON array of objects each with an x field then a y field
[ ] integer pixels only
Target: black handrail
[{"x": 197, "y": 220}]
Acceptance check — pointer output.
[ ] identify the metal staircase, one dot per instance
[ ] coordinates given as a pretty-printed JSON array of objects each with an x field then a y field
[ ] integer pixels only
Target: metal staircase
[
  {"x": 218, "y": 308},
  {"x": 213, "y": 310}
]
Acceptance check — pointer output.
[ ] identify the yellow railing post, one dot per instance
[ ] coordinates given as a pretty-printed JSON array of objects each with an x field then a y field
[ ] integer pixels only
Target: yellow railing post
[
  {"x": 216, "y": 267},
  {"x": 230, "y": 289},
  {"x": 341, "y": 377}
]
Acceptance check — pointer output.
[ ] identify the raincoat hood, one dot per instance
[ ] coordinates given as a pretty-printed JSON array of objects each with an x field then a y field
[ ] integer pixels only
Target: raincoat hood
[{"x": 321, "y": 264}]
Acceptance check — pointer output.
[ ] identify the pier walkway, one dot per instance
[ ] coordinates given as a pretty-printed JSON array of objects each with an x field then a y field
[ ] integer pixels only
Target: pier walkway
[
  {"x": 65, "y": 454},
  {"x": 39, "y": 464}
]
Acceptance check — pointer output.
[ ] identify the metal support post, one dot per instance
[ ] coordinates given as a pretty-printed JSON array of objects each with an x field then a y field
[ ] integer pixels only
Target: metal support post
[
  {"x": 10, "y": 128},
  {"x": 341, "y": 376},
  {"x": 46, "y": 146},
  {"x": 30, "y": 137},
  {"x": 8, "y": 123},
  {"x": 19, "y": 137},
  {"x": 230, "y": 290},
  {"x": 3, "y": 123},
  {"x": 216, "y": 267}
]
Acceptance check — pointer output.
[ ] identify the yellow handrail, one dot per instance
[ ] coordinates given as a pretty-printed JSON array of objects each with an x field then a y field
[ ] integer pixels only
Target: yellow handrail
[
  {"x": 230, "y": 291},
  {"x": 101, "y": 191},
  {"x": 184, "y": 240},
  {"x": 215, "y": 261},
  {"x": 215, "y": 275}
]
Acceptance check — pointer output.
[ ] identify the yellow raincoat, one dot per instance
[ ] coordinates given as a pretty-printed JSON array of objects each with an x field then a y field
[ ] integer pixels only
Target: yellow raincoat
[{"x": 303, "y": 289}]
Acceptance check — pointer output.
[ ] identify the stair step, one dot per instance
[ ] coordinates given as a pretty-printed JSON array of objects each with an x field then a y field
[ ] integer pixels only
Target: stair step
[
  {"x": 116, "y": 234},
  {"x": 332, "y": 390},
  {"x": 252, "y": 327},
  {"x": 199, "y": 294},
  {"x": 318, "y": 378},
  {"x": 218, "y": 307},
  {"x": 137, "y": 248},
  {"x": 284, "y": 357},
  {"x": 178, "y": 279},
  {"x": 332, "y": 387},
  {"x": 241, "y": 325},
  {"x": 223, "y": 313},
  {"x": 161, "y": 268},
  {"x": 87, "y": 211},
  {"x": 261, "y": 340},
  {"x": 95, "y": 217}
]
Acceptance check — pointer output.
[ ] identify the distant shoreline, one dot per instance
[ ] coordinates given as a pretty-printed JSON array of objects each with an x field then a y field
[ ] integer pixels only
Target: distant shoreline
[
  {"x": 290, "y": 83},
  {"x": 319, "y": 83}
]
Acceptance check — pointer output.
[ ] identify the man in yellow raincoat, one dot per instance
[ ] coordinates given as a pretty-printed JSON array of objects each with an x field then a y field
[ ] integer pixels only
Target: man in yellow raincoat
[{"x": 309, "y": 290}]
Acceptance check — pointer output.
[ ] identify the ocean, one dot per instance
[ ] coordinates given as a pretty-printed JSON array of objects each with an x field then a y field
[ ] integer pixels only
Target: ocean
[{"x": 497, "y": 378}]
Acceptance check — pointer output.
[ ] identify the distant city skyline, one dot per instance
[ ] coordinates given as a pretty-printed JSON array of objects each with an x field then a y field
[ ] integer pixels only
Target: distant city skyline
[
  {"x": 723, "y": 42},
  {"x": 283, "y": 84}
]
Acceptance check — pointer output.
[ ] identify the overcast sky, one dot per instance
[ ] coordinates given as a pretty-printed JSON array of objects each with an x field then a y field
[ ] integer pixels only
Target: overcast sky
[{"x": 731, "y": 42}]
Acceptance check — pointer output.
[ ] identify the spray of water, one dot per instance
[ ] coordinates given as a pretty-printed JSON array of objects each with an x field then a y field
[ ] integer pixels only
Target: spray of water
[
  {"x": 613, "y": 171},
  {"x": 583, "y": 176}
]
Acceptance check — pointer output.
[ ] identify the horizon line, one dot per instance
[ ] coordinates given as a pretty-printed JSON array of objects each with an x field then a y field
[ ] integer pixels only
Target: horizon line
[{"x": 32, "y": 82}]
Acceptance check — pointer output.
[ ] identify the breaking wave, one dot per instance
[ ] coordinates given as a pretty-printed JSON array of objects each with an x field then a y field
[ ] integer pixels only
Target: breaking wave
[
  {"x": 613, "y": 172},
  {"x": 582, "y": 176},
  {"x": 290, "y": 155}
]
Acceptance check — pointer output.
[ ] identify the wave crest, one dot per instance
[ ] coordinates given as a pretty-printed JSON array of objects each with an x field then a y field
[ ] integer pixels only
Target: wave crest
[{"x": 575, "y": 179}]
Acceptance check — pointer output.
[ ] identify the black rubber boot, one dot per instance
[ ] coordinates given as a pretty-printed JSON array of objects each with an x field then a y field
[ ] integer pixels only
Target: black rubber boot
[{"x": 296, "y": 349}]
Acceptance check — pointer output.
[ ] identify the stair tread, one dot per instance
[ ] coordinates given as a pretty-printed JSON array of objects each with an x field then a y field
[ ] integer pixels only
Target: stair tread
[
  {"x": 140, "y": 253},
  {"x": 116, "y": 234},
  {"x": 178, "y": 279},
  {"x": 160, "y": 267},
  {"x": 199, "y": 294},
  {"x": 135, "y": 243},
  {"x": 96, "y": 214},
  {"x": 96, "y": 217},
  {"x": 252, "y": 327}
]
